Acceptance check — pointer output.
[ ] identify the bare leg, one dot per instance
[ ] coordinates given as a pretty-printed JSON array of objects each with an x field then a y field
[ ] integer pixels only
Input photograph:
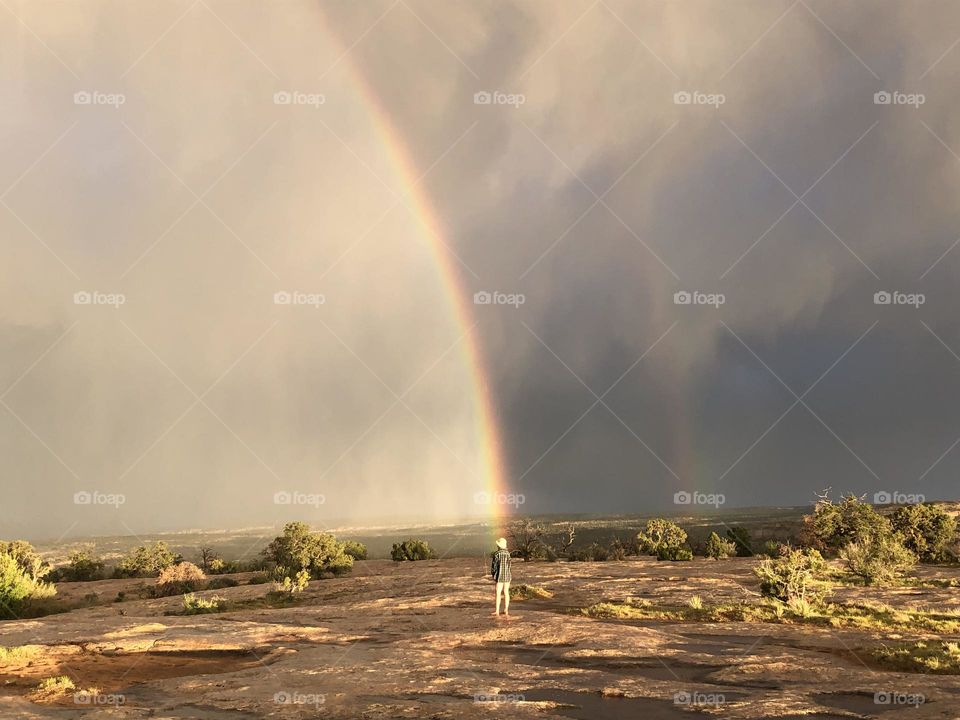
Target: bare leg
[
  {"x": 506, "y": 598},
  {"x": 500, "y": 590}
]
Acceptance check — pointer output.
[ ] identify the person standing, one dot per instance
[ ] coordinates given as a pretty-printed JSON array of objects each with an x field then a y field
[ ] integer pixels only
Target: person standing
[{"x": 500, "y": 569}]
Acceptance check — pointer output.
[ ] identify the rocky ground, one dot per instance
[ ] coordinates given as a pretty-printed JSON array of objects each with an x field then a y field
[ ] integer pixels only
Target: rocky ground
[{"x": 417, "y": 640}]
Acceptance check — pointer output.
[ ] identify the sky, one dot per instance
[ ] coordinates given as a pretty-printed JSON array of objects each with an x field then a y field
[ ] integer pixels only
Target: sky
[{"x": 241, "y": 243}]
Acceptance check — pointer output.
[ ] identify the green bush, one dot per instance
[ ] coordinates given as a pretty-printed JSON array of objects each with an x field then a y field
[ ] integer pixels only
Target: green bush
[
  {"x": 82, "y": 567},
  {"x": 291, "y": 586},
  {"x": 927, "y": 530},
  {"x": 411, "y": 550},
  {"x": 878, "y": 560},
  {"x": 772, "y": 548},
  {"x": 740, "y": 537},
  {"x": 196, "y": 605},
  {"x": 356, "y": 550},
  {"x": 675, "y": 554},
  {"x": 58, "y": 685},
  {"x": 794, "y": 576},
  {"x": 222, "y": 582},
  {"x": 299, "y": 548},
  {"x": 210, "y": 560},
  {"x": 660, "y": 534},
  {"x": 592, "y": 553},
  {"x": 27, "y": 558},
  {"x": 834, "y": 525},
  {"x": 617, "y": 550},
  {"x": 219, "y": 566},
  {"x": 718, "y": 548},
  {"x": 145, "y": 561},
  {"x": 179, "y": 579},
  {"x": 18, "y": 587}
]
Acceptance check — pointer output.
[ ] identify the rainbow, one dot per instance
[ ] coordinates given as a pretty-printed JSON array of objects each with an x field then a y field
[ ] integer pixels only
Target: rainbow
[{"x": 488, "y": 434}]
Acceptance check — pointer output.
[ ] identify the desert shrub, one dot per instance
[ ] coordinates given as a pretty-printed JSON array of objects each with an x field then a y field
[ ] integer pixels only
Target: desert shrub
[
  {"x": 878, "y": 560},
  {"x": 802, "y": 607},
  {"x": 526, "y": 540},
  {"x": 681, "y": 553},
  {"x": 740, "y": 537},
  {"x": 299, "y": 548},
  {"x": 695, "y": 602},
  {"x": 617, "y": 550},
  {"x": 356, "y": 550},
  {"x": 27, "y": 558},
  {"x": 291, "y": 586},
  {"x": 411, "y": 550},
  {"x": 18, "y": 587},
  {"x": 927, "y": 530},
  {"x": 258, "y": 579},
  {"x": 793, "y": 575},
  {"x": 145, "y": 561},
  {"x": 219, "y": 566},
  {"x": 222, "y": 582},
  {"x": 924, "y": 656},
  {"x": 660, "y": 534},
  {"x": 178, "y": 579},
  {"x": 555, "y": 550},
  {"x": 19, "y": 652},
  {"x": 196, "y": 605},
  {"x": 771, "y": 548},
  {"x": 255, "y": 564},
  {"x": 81, "y": 567},
  {"x": 592, "y": 553},
  {"x": 55, "y": 685},
  {"x": 717, "y": 547},
  {"x": 529, "y": 592},
  {"x": 834, "y": 525},
  {"x": 208, "y": 558}
]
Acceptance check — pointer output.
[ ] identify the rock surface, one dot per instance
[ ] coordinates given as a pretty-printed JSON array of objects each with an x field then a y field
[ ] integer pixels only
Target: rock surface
[{"x": 418, "y": 640}]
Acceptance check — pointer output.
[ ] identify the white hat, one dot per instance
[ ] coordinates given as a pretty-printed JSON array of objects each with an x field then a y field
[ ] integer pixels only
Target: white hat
[{"x": 502, "y": 543}]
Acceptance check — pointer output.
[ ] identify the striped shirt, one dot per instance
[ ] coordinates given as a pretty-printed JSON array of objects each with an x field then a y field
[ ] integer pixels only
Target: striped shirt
[{"x": 500, "y": 566}]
